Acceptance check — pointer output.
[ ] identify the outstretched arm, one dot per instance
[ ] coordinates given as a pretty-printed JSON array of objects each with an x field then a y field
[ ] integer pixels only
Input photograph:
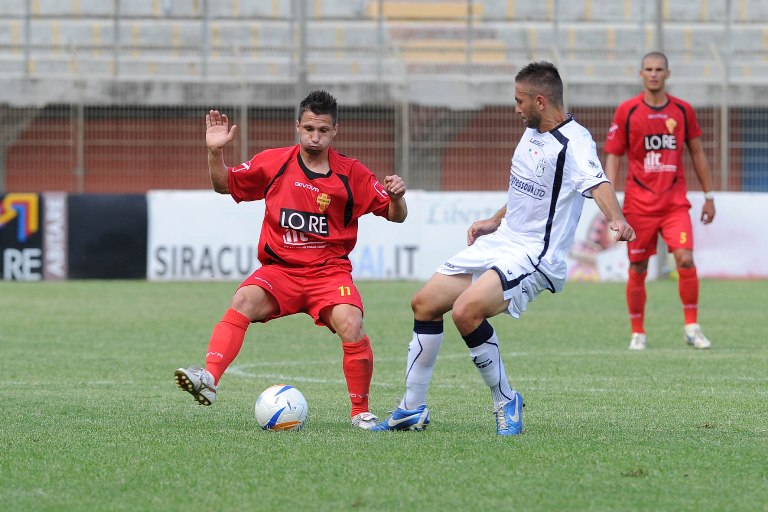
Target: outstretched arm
[
  {"x": 605, "y": 197},
  {"x": 395, "y": 187},
  {"x": 217, "y": 135},
  {"x": 701, "y": 167},
  {"x": 485, "y": 226}
]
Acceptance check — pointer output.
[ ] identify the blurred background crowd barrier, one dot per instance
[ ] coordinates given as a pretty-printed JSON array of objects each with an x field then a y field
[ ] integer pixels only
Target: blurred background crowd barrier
[{"x": 109, "y": 96}]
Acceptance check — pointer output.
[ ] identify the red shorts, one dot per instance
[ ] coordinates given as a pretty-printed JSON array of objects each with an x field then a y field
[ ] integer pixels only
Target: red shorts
[
  {"x": 306, "y": 290},
  {"x": 675, "y": 228}
]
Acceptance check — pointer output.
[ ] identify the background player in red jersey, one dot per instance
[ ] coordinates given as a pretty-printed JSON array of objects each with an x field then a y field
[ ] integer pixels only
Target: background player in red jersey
[
  {"x": 651, "y": 129},
  {"x": 313, "y": 197}
]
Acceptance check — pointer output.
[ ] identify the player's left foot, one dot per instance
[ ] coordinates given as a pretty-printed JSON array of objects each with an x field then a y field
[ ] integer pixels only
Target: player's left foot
[
  {"x": 405, "y": 419},
  {"x": 198, "y": 382},
  {"x": 509, "y": 416},
  {"x": 364, "y": 420},
  {"x": 695, "y": 338}
]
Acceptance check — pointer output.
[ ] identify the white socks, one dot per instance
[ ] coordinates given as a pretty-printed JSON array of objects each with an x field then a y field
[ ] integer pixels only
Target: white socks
[
  {"x": 487, "y": 360},
  {"x": 422, "y": 354}
]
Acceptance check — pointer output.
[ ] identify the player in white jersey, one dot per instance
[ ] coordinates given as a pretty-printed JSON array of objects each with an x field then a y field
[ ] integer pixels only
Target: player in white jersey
[{"x": 514, "y": 255}]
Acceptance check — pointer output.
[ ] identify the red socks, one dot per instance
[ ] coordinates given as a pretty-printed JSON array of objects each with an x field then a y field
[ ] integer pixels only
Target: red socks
[
  {"x": 228, "y": 336},
  {"x": 688, "y": 286},
  {"x": 636, "y": 297},
  {"x": 358, "y": 370},
  {"x": 226, "y": 341}
]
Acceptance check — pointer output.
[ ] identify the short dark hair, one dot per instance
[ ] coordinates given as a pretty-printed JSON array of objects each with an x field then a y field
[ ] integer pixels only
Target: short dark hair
[
  {"x": 655, "y": 54},
  {"x": 320, "y": 103},
  {"x": 545, "y": 79}
]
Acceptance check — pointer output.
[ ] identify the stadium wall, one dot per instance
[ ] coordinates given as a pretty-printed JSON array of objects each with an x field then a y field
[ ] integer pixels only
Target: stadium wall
[
  {"x": 131, "y": 150},
  {"x": 200, "y": 236}
]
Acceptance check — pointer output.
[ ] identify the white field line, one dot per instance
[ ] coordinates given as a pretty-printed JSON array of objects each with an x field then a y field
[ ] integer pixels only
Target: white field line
[{"x": 272, "y": 370}]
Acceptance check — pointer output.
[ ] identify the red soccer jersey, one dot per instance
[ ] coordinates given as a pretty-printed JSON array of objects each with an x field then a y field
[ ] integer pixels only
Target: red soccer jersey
[
  {"x": 654, "y": 140},
  {"x": 310, "y": 219}
]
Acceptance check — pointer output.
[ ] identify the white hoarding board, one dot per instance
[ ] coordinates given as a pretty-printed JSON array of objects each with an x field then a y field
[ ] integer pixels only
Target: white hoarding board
[
  {"x": 201, "y": 235},
  {"x": 436, "y": 228}
]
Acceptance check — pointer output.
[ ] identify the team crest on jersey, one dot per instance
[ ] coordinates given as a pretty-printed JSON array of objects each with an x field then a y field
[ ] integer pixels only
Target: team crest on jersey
[
  {"x": 540, "y": 166},
  {"x": 671, "y": 125},
  {"x": 323, "y": 201}
]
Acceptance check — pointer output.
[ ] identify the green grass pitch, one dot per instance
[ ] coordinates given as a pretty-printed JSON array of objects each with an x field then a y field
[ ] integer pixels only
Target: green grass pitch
[{"x": 92, "y": 419}]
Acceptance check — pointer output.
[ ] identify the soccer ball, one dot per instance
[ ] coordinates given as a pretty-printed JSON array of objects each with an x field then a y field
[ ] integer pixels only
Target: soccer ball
[{"x": 281, "y": 407}]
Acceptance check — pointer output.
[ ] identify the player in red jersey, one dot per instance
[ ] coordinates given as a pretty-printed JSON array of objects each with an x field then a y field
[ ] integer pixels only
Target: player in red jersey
[
  {"x": 314, "y": 197},
  {"x": 652, "y": 129}
]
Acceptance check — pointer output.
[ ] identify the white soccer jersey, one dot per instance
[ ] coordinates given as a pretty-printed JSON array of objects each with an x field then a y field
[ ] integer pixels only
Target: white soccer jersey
[{"x": 551, "y": 173}]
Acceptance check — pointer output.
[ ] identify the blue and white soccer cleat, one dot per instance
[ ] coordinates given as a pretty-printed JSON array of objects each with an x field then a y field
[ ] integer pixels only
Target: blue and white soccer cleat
[
  {"x": 509, "y": 416},
  {"x": 405, "y": 419}
]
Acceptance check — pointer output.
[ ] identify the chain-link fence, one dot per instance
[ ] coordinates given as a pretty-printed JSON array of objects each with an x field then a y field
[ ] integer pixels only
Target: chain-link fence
[{"x": 109, "y": 96}]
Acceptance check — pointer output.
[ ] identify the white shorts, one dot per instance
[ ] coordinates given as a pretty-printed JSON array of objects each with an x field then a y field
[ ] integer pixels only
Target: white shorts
[{"x": 521, "y": 281}]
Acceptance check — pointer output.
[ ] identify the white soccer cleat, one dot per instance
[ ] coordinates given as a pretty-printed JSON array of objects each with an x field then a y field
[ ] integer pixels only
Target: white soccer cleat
[
  {"x": 364, "y": 420},
  {"x": 695, "y": 338},
  {"x": 198, "y": 382},
  {"x": 638, "y": 341}
]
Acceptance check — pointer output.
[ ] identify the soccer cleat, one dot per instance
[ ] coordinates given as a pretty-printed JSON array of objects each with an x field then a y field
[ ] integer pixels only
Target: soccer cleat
[
  {"x": 405, "y": 419},
  {"x": 695, "y": 338},
  {"x": 509, "y": 416},
  {"x": 365, "y": 420},
  {"x": 638, "y": 341},
  {"x": 198, "y": 382}
]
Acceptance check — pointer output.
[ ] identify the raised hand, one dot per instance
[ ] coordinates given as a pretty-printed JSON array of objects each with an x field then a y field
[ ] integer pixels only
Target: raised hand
[{"x": 218, "y": 133}]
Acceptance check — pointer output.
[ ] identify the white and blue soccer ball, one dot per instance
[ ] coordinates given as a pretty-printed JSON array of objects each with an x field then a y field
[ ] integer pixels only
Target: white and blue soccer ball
[{"x": 281, "y": 407}]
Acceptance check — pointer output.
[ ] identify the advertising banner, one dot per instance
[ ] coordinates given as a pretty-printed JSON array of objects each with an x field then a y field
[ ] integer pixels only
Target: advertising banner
[
  {"x": 732, "y": 246},
  {"x": 21, "y": 237},
  {"x": 107, "y": 236},
  {"x": 201, "y": 235},
  {"x": 55, "y": 236}
]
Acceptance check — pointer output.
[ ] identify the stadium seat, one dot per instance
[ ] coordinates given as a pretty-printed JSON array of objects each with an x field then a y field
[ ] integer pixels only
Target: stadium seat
[
  {"x": 11, "y": 32},
  {"x": 440, "y": 10},
  {"x": 62, "y": 9},
  {"x": 589, "y": 38},
  {"x": 13, "y": 8}
]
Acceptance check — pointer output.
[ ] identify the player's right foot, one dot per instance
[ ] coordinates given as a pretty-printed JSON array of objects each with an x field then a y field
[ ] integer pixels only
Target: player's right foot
[
  {"x": 198, "y": 382},
  {"x": 365, "y": 420},
  {"x": 405, "y": 419},
  {"x": 637, "y": 342},
  {"x": 695, "y": 338},
  {"x": 509, "y": 416}
]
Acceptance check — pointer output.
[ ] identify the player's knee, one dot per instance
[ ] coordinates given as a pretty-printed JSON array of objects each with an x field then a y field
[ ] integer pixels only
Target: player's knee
[
  {"x": 240, "y": 301},
  {"x": 465, "y": 317},
  {"x": 685, "y": 261},
  {"x": 350, "y": 328},
  {"x": 425, "y": 308},
  {"x": 252, "y": 302},
  {"x": 420, "y": 304}
]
